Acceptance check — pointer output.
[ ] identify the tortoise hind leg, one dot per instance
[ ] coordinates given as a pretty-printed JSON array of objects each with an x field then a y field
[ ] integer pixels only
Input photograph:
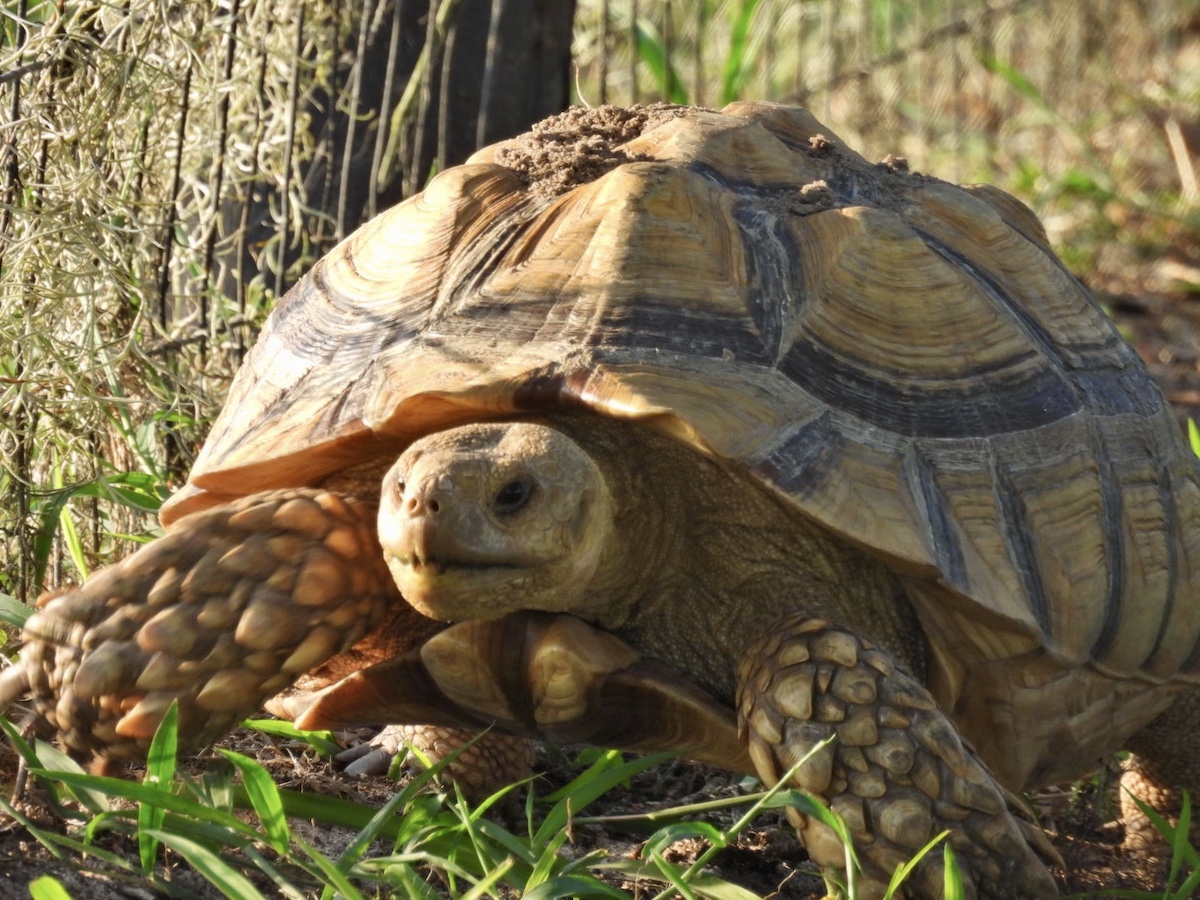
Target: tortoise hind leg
[
  {"x": 480, "y": 764},
  {"x": 1163, "y": 764},
  {"x": 896, "y": 770}
]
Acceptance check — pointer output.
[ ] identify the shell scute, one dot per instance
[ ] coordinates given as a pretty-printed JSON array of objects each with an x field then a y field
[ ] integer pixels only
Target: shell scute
[
  {"x": 637, "y": 233},
  {"x": 295, "y": 411},
  {"x": 731, "y": 153},
  {"x": 1023, "y": 276},
  {"x": 947, "y": 363},
  {"x": 798, "y": 128},
  {"x": 1016, "y": 214}
]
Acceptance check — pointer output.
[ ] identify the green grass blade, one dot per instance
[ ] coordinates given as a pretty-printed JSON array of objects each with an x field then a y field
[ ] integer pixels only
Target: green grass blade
[
  {"x": 24, "y": 748},
  {"x": 795, "y": 799},
  {"x": 733, "y": 77},
  {"x": 952, "y": 880},
  {"x": 22, "y": 820},
  {"x": 374, "y": 828},
  {"x": 523, "y": 849},
  {"x": 70, "y": 534},
  {"x": 483, "y": 888},
  {"x": 681, "y": 880},
  {"x": 1018, "y": 82},
  {"x": 117, "y": 787},
  {"x": 149, "y": 821},
  {"x": 73, "y": 543},
  {"x": 287, "y": 890},
  {"x": 216, "y": 787},
  {"x": 902, "y": 873},
  {"x": 333, "y": 811},
  {"x": 814, "y": 808},
  {"x": 70, "y": 850},
  {"x": 670, "y": 873},
  {"x": 704, "y": 883},
  {"x": 52, "y": 511},
  {"x": 264, "y": 796},
  {"x": 13, "y": 612},
  {"x": 423, "y": 858},
  {"x": 410, "y": 882},
  {"x": 608, "y": 770},
  {"x": 545, "y": 865},
  {"x": 487, "y": 856},
  {"x": 574, "y": 886},
  {"x": 47, "y": 888},
  {"x": 207, "y": 832},
  {"x": 46, "y": 757},
  {"x": 1190, "y": 886},
  {"x": 329, "y": 872},
  {"x": 1190, "y": 856},
  {"x": 160, "y": 773},
  {"x": 599, "y": 778},
  {"x": 1179, "y": 840},
  {"x": 134, "y": 490},
  {"x": 682, "y": 831},
  {"x": 220, "y": 874},
  {"x": 651, "y": 51},
  {"x": 323, "y": 742}
]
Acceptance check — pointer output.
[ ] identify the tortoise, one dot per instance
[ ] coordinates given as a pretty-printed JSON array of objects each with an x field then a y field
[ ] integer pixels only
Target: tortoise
[{"x": 701, "y": 414}]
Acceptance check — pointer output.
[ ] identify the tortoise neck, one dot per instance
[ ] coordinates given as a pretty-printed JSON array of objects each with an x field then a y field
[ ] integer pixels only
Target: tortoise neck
[{"x": 703, "y": 560}]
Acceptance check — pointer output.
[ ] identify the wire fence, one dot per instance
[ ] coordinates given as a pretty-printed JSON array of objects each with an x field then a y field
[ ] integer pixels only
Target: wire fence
[{"x": 167, "y": 169}]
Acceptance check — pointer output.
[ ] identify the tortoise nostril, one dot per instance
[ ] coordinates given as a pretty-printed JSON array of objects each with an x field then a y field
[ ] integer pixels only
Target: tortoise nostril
[{"x": 420, "y": 505}]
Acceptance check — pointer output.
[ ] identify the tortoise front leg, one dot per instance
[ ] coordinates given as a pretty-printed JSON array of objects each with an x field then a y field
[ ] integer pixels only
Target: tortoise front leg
[
  {"x": 226, "y": 610},
  {"x": 897, "y": 771}
]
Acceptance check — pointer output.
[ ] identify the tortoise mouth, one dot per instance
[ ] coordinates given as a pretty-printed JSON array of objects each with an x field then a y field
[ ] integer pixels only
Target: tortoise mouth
[
  {"x": 447, "y": 566},
  {"x": 454, "y": 589}
]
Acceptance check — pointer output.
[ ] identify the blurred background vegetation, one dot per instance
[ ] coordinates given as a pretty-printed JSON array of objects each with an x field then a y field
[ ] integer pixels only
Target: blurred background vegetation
[{"x": 167, "y": 170}]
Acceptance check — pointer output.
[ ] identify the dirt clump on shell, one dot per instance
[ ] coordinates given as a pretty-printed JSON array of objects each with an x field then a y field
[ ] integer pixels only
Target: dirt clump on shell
[{"x": 580, "y": 145}]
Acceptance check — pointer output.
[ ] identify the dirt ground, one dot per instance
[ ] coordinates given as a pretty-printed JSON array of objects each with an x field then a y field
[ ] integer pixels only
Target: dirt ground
[{"x": 1163, "y": 321}]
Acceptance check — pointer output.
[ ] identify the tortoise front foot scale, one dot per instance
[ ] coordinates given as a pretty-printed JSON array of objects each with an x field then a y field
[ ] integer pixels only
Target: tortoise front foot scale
[
  {"x": 896, "y": 770},
  {"x": 228, "y": 609}
]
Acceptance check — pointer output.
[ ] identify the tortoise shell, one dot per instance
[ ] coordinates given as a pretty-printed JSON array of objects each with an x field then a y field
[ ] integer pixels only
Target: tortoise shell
[{"x": 903, "y": 360}]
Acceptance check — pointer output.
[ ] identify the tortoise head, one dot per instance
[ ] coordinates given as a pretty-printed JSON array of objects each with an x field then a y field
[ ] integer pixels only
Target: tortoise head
[{"x": 481, "y": 520}]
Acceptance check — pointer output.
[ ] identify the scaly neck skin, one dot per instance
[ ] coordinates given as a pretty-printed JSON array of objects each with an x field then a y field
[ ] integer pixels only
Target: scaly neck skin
[{"x": 702, "y": 561}]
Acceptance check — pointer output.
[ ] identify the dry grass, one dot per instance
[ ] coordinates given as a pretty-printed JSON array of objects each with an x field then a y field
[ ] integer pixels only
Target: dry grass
[{"x": 141, "y": 148}]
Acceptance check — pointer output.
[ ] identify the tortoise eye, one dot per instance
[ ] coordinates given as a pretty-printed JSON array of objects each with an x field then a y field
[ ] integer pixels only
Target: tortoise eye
[{"x": 513, "y": 497}]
